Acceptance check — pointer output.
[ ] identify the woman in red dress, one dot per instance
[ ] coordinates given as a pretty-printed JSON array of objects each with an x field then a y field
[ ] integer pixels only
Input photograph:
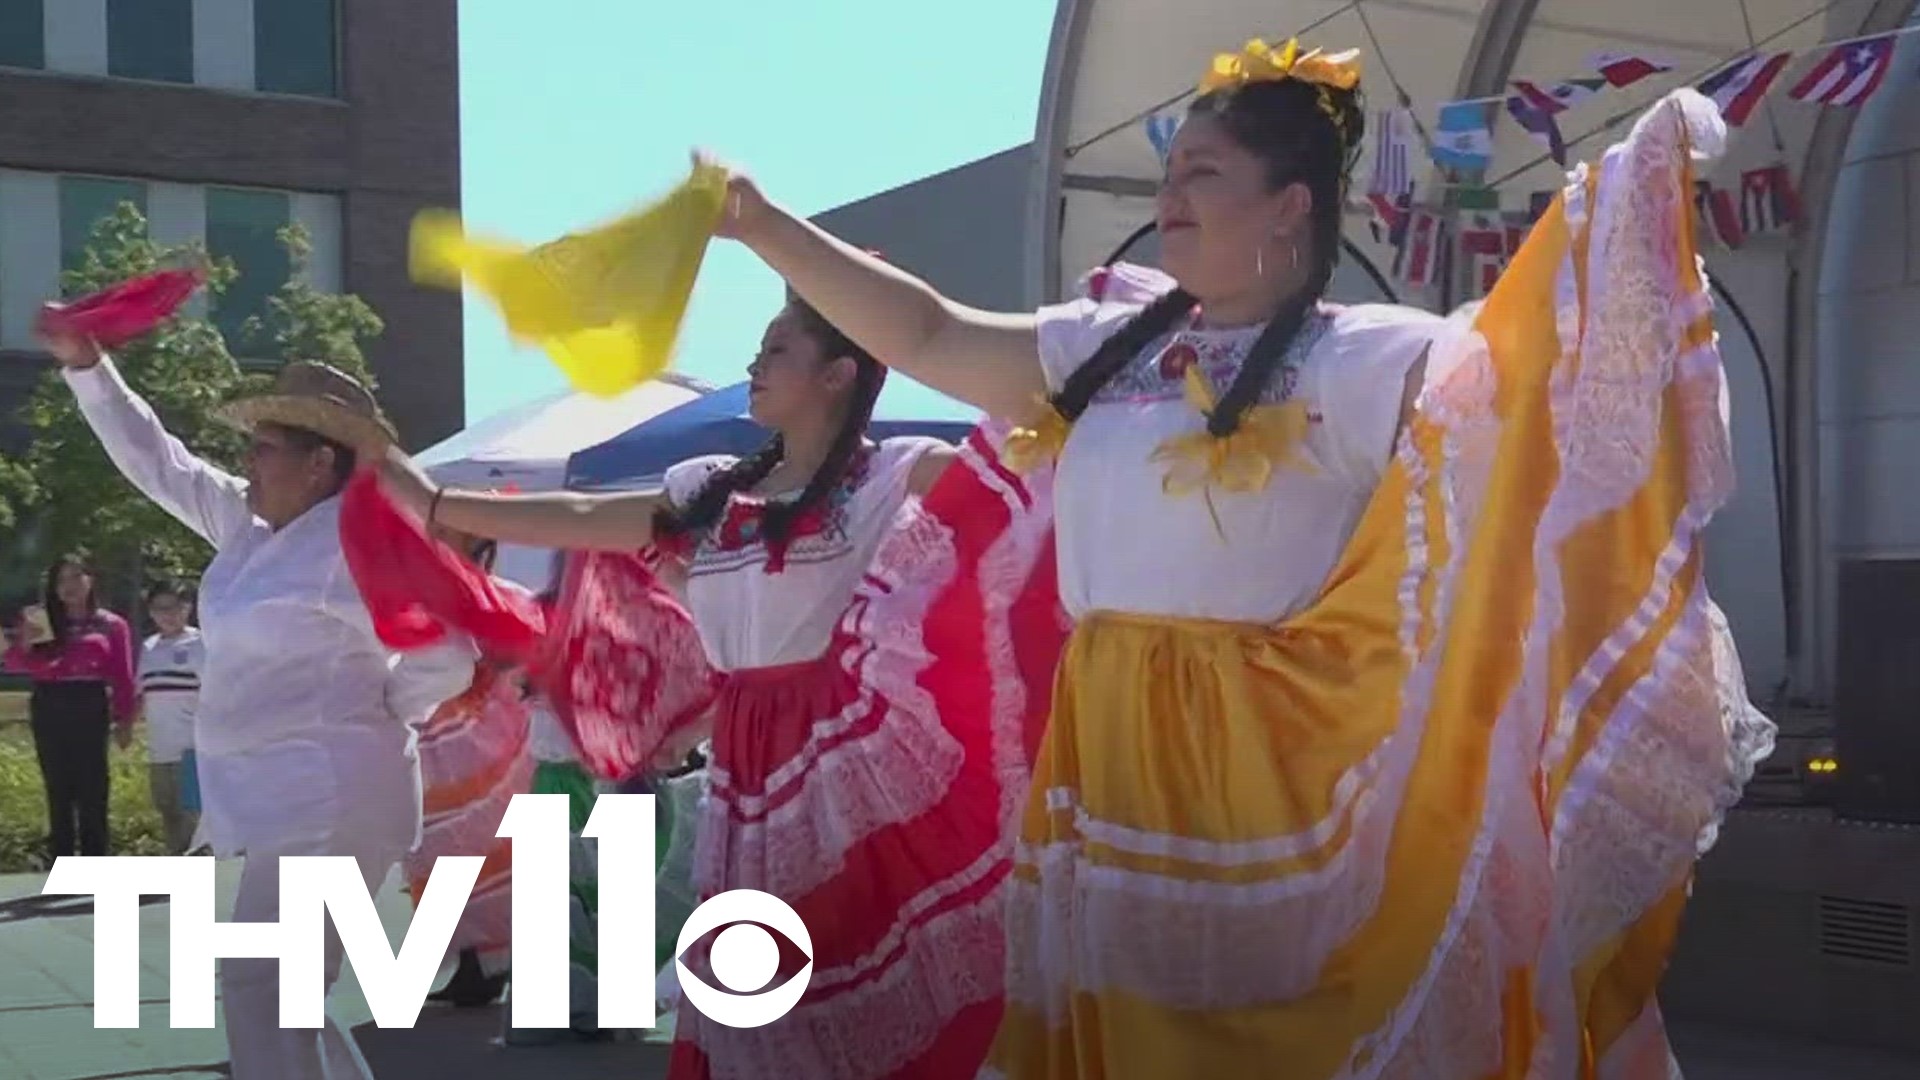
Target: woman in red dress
[{"x": 875, "y": 624}]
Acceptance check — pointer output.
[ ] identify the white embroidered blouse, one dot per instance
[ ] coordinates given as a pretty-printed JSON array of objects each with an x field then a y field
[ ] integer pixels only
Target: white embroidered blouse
[{"x": 1126, "y": 545}]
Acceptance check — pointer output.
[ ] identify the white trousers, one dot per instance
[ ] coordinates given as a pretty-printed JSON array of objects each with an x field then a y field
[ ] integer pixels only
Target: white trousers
[{"x": 257, "y": 1046}]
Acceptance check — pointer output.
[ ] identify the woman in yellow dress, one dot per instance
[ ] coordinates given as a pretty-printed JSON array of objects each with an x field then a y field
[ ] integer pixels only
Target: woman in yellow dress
[{"x": 1395, "y": 712}]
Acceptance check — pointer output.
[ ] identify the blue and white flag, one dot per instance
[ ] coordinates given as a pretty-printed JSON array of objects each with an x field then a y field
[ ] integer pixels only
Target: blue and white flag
[{"x": 1463, "y": 138}]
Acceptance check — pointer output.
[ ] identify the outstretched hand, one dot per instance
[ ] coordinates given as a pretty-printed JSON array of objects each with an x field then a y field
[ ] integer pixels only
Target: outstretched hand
[
  {"x": 72, "y": 350},
  {"x": 744, "y": 205}
]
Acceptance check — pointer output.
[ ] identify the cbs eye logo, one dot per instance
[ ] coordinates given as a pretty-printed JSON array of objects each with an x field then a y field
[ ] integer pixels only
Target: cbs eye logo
[{"x": 743, "y": 956}]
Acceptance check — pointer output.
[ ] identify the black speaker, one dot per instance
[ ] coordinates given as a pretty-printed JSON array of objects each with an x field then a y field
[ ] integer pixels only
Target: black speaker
[{"x": 1876, "y": 696}]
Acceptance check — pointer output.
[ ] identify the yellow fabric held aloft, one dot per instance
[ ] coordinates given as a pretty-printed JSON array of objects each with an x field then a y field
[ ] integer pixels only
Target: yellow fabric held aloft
[{"x": 606, "y": 304}]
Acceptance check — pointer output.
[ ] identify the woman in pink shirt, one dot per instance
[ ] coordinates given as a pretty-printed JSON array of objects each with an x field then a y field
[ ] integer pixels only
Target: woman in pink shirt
[{"x": 80, "y": 657}]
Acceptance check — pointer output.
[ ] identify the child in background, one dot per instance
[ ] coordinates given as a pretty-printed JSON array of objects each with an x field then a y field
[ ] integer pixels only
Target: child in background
[{"x": 170, "y": 665}]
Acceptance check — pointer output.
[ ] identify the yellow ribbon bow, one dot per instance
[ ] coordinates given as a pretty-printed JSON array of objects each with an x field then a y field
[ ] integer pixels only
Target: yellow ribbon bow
[
  {"x": 1269, "y": 437},
  {"x": 606, "y": 304},
  {"x": 1257, "y": 62},
  {"x": 1040, "y": 441}
]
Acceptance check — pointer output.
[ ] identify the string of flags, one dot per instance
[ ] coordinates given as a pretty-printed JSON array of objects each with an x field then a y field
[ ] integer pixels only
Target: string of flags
[{"x": 1470, "y": 224}]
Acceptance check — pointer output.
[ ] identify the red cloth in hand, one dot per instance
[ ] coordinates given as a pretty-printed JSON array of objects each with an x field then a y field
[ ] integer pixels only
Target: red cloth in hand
[
  {"x": 622, "y": 664},
  {"x": 116, "y": 315},
  {"x": 417, "y": 589}
]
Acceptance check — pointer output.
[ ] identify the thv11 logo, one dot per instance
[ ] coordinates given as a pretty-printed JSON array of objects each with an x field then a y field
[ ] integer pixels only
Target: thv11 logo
[{"x": 396, "y": 985}]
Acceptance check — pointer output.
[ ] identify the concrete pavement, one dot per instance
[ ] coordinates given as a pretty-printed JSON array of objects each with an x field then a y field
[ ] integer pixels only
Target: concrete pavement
[{"x": 47, "y": 1033}]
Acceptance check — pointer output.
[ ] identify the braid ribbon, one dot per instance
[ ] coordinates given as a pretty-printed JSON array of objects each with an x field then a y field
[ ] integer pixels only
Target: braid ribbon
[
  {"x": 1044, "y": 435},
  {"x": 1268, "y": 437},
  {"x": 1039, "y": 442}
]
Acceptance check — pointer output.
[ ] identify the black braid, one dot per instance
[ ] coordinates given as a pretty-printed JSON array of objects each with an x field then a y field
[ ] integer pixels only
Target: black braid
[
  {"x": 1266, "y": 353},
  {"x": 776, "y": 525},
  {"x": 1286, "y": 125},
  {"x": 705, "y": 508},
  {"x": 1113, "y": 354}
]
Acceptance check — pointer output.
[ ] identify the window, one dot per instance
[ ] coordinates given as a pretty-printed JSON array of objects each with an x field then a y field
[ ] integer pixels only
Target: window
[
  {"x": 294, "y": 47},
  {"x": 150, "y": 39},
  {"x": 244, "y": 226},
  {"x": 23, "y": 34},
  {"x": 84, "y": 202}
]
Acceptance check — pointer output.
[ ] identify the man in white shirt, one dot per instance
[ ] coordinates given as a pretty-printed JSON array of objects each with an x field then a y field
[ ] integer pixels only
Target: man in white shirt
[
  {"x": 170, "y": 664},
  {"x": 305, "y": 735}
]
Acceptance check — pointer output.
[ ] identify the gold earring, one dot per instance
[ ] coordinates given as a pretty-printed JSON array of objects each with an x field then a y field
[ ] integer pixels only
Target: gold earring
[{"x": 1293, "y": 254}]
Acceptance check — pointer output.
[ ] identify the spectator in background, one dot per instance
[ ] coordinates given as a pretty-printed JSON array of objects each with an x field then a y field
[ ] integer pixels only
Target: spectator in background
[
  {"x": 170, "y": 663},
  {"x": 80, "y": 658}
]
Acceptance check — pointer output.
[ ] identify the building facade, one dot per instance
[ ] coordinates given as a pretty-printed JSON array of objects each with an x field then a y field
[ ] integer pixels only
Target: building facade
[{"x": 225, "y": 120}]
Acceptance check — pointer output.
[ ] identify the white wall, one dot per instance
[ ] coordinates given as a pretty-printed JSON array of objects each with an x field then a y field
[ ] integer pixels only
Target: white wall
[
  {"x": 1869, "y": 336},
  {"x": 1743, "y": 540}
]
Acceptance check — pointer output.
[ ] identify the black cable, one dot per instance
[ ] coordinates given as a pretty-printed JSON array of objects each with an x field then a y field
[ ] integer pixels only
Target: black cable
[{"x": 1773, "y": 432}]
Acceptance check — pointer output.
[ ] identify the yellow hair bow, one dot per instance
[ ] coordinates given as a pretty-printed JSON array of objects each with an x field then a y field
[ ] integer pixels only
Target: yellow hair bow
[
  {"x": 1269, "y": 437},
  {"x": 1040, "y": 441},
  {"x": 1259, "y": 63}
]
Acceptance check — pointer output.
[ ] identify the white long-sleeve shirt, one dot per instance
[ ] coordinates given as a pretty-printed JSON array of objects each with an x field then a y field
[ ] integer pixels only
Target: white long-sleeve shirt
[{"x": 306, "y": 728}]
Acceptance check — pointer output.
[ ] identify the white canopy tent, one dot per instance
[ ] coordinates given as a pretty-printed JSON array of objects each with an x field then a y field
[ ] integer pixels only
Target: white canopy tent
[
  {"x": 1113, "y": 63},
  {"x": 526, "y": 447}
]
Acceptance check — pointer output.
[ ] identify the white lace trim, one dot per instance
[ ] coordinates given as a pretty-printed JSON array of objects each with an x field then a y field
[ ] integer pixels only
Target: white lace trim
[
  {"x": 1206, "y": 945},
  {"x": 1005, "y": 569},
  {"x": 872, "y": 1015},
  {"x": 895, "y": 773},
  {"x": 1450, "y": 1024},
  {"x": 1347, "y": 793}
]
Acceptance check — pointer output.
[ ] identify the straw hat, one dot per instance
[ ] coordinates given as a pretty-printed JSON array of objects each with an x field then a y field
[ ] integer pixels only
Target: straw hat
[{"x": 318, "y": 398}]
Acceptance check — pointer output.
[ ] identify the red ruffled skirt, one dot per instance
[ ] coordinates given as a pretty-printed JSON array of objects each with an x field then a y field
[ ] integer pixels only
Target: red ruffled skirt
[
  {"x": 873, "y": 789},
  {"x": 885, "y": 839}
]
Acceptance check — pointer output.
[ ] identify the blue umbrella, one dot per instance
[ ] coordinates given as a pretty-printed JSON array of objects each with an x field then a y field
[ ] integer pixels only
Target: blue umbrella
[{"x": 716, "y": 423}]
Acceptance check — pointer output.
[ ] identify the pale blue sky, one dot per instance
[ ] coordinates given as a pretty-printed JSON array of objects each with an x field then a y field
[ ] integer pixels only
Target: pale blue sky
[{"x": 573, "y": 111}]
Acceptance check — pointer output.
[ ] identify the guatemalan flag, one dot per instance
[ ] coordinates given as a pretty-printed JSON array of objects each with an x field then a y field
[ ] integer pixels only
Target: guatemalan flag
[
  {"x": 1741, "y": 85},
  {"x": 1849, "y": 74}
]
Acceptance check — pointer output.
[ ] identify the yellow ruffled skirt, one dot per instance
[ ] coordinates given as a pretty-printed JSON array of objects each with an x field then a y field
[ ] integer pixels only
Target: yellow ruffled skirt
[{"x": 1440, "y": 825}]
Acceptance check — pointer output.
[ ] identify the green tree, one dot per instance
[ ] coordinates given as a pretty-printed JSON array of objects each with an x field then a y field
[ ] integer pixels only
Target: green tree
[{"x": 65, "y": 488}]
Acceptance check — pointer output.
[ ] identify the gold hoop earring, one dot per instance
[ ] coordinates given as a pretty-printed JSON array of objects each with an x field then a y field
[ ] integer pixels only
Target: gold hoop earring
[
  {"x": 1293, "y": 254},
  {"x": 1260, "y": 261}
]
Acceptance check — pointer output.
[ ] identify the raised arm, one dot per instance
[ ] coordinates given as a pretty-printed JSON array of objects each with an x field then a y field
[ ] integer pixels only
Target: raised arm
[
  {"x": 987, "y": 359},
  {"x": 561, "y": 520},
  {"x": 204, "y": 498}
]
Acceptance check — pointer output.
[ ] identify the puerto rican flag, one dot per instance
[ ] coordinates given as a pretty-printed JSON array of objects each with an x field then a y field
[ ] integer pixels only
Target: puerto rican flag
[
  {"x": 1740, "y": 86},
  {"x": 1624, "y": 69},
  {"x": 1558, "y": 97},
  {"x": 1849, "y": 74}
]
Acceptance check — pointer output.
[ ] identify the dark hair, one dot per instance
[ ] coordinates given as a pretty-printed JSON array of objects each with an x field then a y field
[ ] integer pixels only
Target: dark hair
[
  {"x": 1306, "y": 134},
  {"x": 776, "y": 527},
  {"x": 344, "y": 458},
  {"x": 57, "y": 617},
  {"x": 176, "y": 590},
  {"x": 483, "y": 553}
]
